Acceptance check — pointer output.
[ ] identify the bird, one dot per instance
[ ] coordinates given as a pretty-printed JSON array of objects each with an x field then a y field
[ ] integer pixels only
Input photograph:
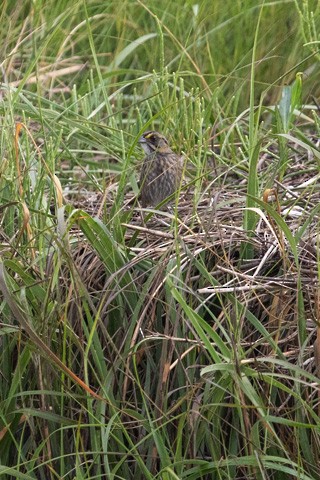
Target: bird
[{"x": 161, "y": 171}]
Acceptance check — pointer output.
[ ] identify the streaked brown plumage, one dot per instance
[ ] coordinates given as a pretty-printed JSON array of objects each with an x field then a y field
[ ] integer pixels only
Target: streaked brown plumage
[{"x": 161, "y": 171}]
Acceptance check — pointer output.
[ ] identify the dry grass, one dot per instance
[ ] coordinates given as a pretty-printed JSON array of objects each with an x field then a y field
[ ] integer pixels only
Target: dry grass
[{"x": 160, "y": 343}]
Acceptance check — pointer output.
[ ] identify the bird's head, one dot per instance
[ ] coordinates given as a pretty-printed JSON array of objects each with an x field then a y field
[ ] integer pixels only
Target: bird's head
[{"x": 154, "y": 142}]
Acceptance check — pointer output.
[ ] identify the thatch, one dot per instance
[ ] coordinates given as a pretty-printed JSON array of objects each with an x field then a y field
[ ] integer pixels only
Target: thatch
[{"x": 208, "y": 224}]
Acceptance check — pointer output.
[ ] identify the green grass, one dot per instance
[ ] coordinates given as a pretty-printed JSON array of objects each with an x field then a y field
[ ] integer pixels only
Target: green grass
[{"x": 187, "y": 346}]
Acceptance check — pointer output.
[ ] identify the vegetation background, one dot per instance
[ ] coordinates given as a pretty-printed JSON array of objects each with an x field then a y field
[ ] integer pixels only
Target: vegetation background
[{"x": 182, "y": 348}]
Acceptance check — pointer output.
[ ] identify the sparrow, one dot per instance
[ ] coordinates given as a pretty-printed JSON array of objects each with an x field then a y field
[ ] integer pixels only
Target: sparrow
[{"x": 161, "y": 171}]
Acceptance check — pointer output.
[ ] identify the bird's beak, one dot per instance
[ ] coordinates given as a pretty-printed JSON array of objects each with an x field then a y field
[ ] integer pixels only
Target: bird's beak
[{"x": 142, "y": 140}]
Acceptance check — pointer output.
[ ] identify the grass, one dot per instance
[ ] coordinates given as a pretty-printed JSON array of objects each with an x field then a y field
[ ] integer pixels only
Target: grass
[{"x": 186, "y": 345}]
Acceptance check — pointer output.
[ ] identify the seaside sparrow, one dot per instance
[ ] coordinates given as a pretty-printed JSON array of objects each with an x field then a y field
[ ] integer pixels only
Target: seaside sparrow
[{"x": 161, "y": 171}]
